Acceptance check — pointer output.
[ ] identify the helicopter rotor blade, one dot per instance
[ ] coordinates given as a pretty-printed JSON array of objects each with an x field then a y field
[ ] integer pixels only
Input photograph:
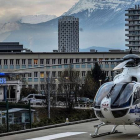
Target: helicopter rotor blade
[
  {"x": 116, "y": 60},
  {"x": 121, "y": 65}
]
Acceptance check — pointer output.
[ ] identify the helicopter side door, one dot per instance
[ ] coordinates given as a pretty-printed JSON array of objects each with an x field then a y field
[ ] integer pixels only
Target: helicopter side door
[
  {"x": 136, "y": 96},
  {"x": 135, "y": 110}
]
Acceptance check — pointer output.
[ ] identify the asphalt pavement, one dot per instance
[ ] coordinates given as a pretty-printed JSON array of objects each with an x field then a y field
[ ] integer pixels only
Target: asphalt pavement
[{"x": 77, "y": 132}]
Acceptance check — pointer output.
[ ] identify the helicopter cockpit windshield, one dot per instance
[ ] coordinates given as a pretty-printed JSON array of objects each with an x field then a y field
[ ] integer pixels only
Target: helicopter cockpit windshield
[{"x": 120, "y": 94}]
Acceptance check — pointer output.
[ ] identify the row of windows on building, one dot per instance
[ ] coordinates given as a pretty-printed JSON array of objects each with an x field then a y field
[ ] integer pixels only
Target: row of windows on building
[
  {"x": 42, "y": 87},
  {"x": 55, "y": 74},
  {"x": 48, "y": 61},
  {"x": 76, "y": 66}
]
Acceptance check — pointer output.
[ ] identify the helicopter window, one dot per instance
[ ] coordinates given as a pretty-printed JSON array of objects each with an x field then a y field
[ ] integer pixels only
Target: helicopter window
[
  {"x": 120, "y": 94},
  {"x": 115, "y": 93},
  {"x": 136, "y": 97},
  {"x": 103, "y": 91},
  {"x": 121, "y": 97}
]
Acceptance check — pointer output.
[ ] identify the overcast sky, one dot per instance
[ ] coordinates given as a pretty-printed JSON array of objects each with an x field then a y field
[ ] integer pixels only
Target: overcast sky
[{"x": 11, "y": 10}]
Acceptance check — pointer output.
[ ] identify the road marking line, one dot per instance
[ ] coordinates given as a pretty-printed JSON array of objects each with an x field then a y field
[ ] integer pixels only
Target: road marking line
[{"x": 56, "y": 136}]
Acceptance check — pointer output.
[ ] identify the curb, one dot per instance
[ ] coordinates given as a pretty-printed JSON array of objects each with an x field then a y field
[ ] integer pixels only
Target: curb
[{"x": 47, "y": 127}]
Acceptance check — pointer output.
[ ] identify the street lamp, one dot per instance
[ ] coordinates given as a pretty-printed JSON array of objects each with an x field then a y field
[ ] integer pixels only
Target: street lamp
[
  {"x": 100, "y": 81},
  {"x": 66, "y": 78},
  {"x": 56, "y": 81},
  {"x": 66, "y": 92}
]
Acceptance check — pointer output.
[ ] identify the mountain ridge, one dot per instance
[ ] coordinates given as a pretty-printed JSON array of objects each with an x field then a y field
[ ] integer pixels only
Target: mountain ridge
[
  {"x": 35, "y": 19},
  {"x": 96, "y": 48}
]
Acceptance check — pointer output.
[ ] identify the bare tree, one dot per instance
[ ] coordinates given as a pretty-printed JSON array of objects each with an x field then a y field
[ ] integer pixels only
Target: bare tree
[
  {"x": 47, "y": 86},
  {"x": 70, "y": 83}
]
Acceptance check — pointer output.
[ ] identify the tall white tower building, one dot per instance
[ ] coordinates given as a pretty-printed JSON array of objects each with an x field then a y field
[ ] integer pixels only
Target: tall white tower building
[{"x": 68, "y": 34}]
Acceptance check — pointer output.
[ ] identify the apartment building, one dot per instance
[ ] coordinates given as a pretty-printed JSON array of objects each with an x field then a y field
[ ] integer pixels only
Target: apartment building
[{"x": 133, "y": 28}]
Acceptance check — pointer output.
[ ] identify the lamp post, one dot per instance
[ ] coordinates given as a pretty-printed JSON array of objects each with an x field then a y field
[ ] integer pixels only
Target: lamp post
[
  {"x": 67, "y": 78},
  {"x": 56, "y": 80},
  {"x": 100, "y": 82},
  {"x": 66, "y": 89},
  {"x": 48, "y": 81}
]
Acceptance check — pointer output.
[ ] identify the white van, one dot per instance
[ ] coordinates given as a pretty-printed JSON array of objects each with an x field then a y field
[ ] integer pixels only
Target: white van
[{"x": 35, "y": 99}]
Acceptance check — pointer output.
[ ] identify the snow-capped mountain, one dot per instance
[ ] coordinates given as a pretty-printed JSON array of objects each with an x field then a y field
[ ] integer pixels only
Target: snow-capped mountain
[
  {"x": 93, "y": 5},
  {"x": 101, "y": 13},
  {"x": 35, "y": 19},
  {"x": 102, "y": 23}
]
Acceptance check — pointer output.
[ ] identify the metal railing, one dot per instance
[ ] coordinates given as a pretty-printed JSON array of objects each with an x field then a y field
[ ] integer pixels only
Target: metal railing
[{"x": 10, "y": 100}]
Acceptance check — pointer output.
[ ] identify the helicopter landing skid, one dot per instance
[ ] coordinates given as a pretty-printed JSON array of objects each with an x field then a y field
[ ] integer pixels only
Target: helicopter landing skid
[
  {"x": 95, "y": 135},
  {"x": 104, "y": 134}
]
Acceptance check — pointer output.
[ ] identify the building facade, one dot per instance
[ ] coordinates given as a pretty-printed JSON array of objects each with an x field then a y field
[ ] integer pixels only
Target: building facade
[
  {"x": 10, "y": 88},
  {"x": 68, "y": 34},
  {"x": 35, "y": 78},
  {"x": 11, "y": 47},
  {"x": 133, "y": 28}
]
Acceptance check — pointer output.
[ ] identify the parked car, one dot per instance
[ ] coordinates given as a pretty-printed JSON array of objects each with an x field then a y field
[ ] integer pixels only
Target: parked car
[
  {"x": 35, "y": 99},
  {"x": 84, "y": 100}
]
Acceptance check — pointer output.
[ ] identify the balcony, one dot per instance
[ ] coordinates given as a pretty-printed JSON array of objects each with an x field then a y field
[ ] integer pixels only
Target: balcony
[
  {"x": 134, "y": 34},
  {"x": 5, "y": 67},
  {"x": 42, "y": 80},
  {"x": 60, "y": 67},
  {"x": 29, "y": 79},
  {"x": 23, "y": 66},
  {"x": 134, "y": 29},
  {"x": 133, "y": 45},
  {"x": 131, "y": 19},
  {"x": 17, "y": 66},
  {"x": 35, "y": 79},
  {"x": 14, "y": 100},
  {"x": 132, "y": 39},
  {"x": 11, "y": 66},
  {"x": 132, "y": 24},
  {"x": 131, "y": 14}
]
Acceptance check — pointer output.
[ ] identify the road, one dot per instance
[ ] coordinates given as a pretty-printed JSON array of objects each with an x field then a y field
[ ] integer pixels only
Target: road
[{"x": 77, "y": 132}]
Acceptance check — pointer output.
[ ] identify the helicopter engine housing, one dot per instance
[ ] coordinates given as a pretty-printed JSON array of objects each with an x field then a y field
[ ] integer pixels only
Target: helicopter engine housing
[{"x": 129, "y": 74}]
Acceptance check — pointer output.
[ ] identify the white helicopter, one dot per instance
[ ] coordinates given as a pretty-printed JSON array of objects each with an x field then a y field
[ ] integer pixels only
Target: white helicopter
[{"x": 118, "y": 102}]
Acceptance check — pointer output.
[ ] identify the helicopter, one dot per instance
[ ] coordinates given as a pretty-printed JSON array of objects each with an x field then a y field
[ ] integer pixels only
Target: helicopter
[{"x": 118, "y": 102}]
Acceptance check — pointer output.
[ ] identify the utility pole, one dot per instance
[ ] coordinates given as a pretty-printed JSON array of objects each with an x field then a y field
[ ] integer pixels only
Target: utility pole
[
  {"x": 30, "y": 114},
  {"x": 7, "y": 114}
]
